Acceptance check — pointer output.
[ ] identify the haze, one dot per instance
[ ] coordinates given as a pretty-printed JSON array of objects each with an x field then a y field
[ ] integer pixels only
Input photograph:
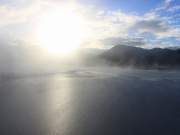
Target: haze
[{"x": 89, "y": 67}]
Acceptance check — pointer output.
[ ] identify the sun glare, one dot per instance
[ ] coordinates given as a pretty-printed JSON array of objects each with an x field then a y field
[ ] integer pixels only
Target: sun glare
[{"x": 61, "y": 31}]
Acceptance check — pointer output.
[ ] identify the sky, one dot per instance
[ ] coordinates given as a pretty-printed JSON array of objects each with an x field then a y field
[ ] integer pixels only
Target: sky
[{"x": 145, "y": 23}]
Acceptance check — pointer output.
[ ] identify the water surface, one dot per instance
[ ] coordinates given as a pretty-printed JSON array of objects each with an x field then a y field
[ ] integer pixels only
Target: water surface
[{"x": 92, "y": 101}]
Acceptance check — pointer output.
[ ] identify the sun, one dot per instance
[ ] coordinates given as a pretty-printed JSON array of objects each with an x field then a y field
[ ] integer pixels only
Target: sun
[{"x": 61, "y": 31}]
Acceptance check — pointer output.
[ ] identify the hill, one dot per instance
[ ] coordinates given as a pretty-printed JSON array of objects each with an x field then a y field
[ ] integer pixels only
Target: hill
[{"x": 139, "y": 57}]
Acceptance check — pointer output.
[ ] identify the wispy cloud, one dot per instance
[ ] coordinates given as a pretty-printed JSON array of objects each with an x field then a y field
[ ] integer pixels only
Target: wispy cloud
[
  {"x": 158, "y": 26},
  {"x": 168, "y": 2},
  {"x": 174, "y": 8},
  {"x": 137, "y": 41}
]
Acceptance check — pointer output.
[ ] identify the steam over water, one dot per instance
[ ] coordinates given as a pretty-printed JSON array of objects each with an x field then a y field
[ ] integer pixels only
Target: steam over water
[{"x": 91, "y": 101}]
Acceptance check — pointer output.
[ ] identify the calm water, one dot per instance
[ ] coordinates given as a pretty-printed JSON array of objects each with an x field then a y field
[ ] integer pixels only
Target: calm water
[{"x": 91, "y": 102}]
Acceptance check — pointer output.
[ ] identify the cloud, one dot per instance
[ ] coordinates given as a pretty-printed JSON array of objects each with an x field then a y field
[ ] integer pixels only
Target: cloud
[
  {"x": 158, "y": 28},
  {"x": 174, "y": 8},
  {"x": 158, "y": 25},
  {"x": 168, "y": 2},
  {"x": 106, "y": 22},
  {"x": 153, "y": 26},
  {"x": 103, "y": 24},
  {"x": 138, "y": 41}
]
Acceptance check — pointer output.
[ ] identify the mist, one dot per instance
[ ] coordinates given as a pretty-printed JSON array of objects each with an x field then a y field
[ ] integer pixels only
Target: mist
[
  {"x": 89, "y": 67},
  {"x": 29, "y": 59}
]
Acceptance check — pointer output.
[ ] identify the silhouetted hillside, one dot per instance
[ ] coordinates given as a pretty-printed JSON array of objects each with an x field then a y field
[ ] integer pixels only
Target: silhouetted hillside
[{"x": 139, "y": 57}]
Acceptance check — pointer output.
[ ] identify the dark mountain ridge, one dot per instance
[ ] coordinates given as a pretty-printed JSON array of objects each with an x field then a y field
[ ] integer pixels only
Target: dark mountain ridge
[{"x": 135, "y": 56}]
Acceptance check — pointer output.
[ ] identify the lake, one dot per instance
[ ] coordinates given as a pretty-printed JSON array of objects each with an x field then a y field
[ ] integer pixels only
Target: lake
[{"x": 91, "y": 101}]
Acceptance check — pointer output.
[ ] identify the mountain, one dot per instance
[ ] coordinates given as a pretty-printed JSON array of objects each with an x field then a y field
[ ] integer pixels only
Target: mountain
[{"x": 139, "y": 57}]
